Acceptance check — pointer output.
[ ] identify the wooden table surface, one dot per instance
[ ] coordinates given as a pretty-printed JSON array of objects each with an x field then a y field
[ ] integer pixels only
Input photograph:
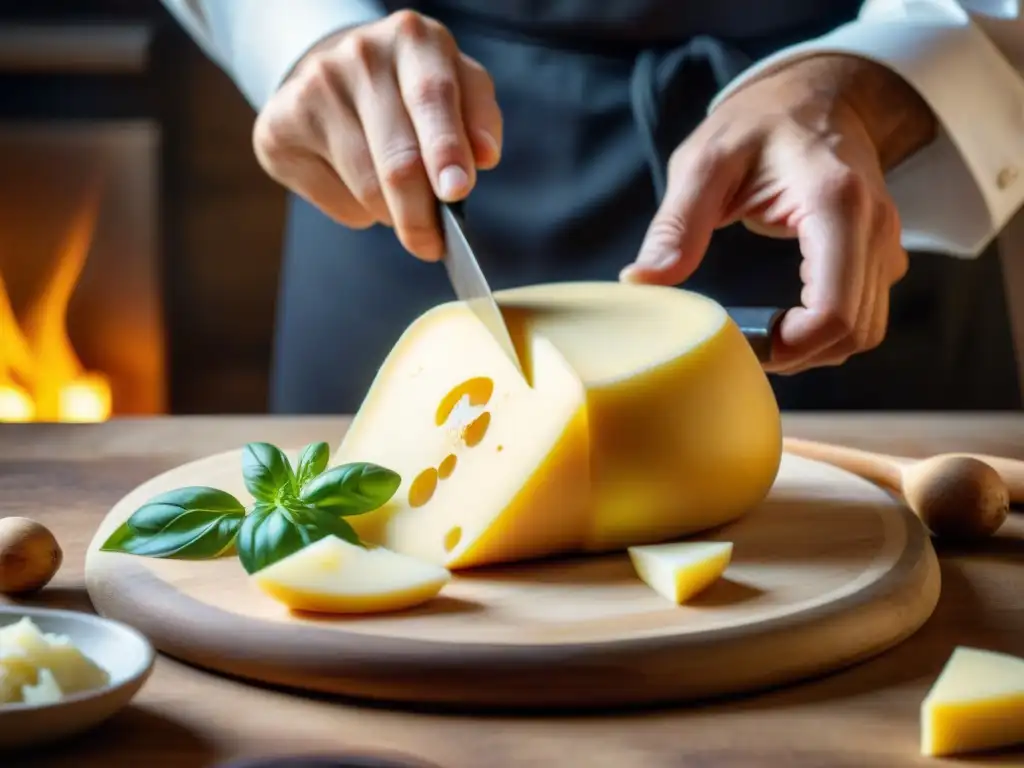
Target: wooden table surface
[{"x": 68, "y": 476}]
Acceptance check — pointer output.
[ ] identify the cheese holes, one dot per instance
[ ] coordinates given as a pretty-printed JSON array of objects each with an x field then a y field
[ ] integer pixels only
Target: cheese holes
[
  {"x": 471, "y": 393},
  {"x": 477, "y": 390},
  {"x": 422, "y": 488},
  {"x": 476, "y": 429},
  {"x": 452, "y": 538},
  {"x": 444, "y": 471}
]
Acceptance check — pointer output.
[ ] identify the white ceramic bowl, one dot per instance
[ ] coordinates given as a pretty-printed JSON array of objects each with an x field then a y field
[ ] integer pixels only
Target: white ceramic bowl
[{"x": 123, "y": 652}]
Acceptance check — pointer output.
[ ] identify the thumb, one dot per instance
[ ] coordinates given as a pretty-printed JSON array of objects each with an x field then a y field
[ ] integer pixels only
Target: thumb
[{"x": 681, "y": 230}]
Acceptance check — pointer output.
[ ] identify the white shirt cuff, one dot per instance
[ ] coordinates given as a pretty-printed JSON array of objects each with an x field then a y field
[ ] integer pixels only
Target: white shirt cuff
[
  {"x": 270, "y": 37},
  {"x": 955, "y": 195}
]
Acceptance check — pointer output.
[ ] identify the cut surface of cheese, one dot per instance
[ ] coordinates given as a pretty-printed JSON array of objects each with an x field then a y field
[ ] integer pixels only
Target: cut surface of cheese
[
  {"x": 645, "y": 416},
  {"x": 679, "y": 570},
  {"x": 975, "y": 704},
  {"x": 333, "y": 576},
  {"x": 493, "y": 469}
]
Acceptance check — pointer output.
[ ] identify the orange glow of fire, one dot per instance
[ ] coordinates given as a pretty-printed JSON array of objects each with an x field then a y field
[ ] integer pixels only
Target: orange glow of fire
[{"x": 41, "y": 377}]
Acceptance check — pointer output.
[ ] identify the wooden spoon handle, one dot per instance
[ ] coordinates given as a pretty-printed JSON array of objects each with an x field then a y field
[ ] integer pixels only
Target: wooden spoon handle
[
  {"x": 870, "y": 465},
  {"x": 879, "y": 468}
]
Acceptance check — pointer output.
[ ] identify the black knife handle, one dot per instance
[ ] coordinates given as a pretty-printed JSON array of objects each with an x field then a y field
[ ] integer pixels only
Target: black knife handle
[{"x": 758, "y": 325}]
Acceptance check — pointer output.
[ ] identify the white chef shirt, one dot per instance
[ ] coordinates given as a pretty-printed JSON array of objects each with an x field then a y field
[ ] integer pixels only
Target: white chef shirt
[{"x": 964, "y": 58}]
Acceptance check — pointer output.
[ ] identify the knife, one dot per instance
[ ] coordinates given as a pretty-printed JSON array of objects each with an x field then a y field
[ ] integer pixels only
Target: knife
[
  {"x": 469, "y": 282},
  {"x": 758, "y": 324}
]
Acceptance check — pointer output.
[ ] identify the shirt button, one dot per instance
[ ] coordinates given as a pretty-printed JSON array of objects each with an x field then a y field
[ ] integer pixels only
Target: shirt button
[{"x": 1006, "y": 177}]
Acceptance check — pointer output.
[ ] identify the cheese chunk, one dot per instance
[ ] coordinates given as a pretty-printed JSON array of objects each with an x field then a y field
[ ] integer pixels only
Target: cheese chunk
[
  {"x": 645, "y": 416},
  {"x": 45, "y": 691},
  {"x": 679, "y": 570},
  {"x": 35, "y": 666},
  {"x": 333, "y": 576},
  {"x": 976, "y": 703}
]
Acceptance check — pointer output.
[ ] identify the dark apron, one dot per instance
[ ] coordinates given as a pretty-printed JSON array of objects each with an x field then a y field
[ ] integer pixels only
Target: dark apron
[{"x": 595, "y": 96}]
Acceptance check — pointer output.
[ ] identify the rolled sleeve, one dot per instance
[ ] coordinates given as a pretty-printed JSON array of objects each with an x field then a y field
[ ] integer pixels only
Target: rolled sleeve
[
  {"x": 259, "y": 42},
  {"x": 955, "y": 195}
]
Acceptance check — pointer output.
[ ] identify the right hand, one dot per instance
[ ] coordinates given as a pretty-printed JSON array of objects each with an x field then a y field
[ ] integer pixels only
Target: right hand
[{"x": 378, "y": 122}]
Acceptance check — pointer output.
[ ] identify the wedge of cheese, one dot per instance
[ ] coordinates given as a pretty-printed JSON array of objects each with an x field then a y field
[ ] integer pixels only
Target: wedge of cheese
[
  {"x": 644, "y": 416},
  {"x": 493, "y": 469},
  {"x": 976, "y": 703},
  {"x": 334, "y": 576},
  {"x": 679, "y": 570}
]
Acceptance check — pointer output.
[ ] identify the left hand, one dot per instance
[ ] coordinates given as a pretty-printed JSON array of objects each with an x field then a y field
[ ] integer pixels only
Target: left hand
[{"x": 791, "y": 155}]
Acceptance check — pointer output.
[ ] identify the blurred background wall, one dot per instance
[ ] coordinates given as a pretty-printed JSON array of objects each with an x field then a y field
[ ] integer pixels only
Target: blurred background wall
[{"x": 130, "y": 201}]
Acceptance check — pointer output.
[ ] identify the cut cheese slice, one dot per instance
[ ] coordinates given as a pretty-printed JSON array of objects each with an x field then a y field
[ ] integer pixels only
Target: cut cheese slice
[
  {"x": 680, "y": 570},
  {"x": 976, "y": 703},
  {"x": 493, "y": 470},
  {"x": 647, "y": 417},
  {"x": 334, "y": 576}
]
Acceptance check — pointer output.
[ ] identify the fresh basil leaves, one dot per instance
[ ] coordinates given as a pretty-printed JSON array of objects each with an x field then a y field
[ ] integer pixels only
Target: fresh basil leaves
[
  {"x": 351, "y": 489},
  {"x": 269, "y": 533},
  {"x": 312, "y": 461},
  {"x": 268, "y": 473},
  {"x": 195, "y": 523},
  {"x": 293, "y": 508}
]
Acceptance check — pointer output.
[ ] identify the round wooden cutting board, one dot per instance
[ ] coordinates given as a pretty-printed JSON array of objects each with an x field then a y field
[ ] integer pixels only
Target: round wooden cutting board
[{"x": 828, "y": 571}]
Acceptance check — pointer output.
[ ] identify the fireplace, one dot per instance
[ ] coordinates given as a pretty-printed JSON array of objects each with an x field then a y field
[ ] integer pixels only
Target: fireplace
[{"x": 82, "y": 334}]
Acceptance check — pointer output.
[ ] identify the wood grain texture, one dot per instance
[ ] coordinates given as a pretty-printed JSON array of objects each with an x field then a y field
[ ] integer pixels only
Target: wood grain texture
[
  {"x": 69, "y": 476},
  {"x": 828, "y": 571}
]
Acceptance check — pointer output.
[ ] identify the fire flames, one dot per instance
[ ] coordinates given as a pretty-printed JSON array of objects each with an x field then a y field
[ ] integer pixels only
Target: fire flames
[{"x": 41, "y": 377}]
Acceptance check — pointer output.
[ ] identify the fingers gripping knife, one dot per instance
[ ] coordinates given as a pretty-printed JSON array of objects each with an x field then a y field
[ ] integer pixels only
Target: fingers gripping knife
[{"x": 757, "y": 323}]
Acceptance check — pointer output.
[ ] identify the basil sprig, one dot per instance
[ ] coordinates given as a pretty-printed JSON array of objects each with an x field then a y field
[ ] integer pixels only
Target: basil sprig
[{"x": 293, "y": 508}]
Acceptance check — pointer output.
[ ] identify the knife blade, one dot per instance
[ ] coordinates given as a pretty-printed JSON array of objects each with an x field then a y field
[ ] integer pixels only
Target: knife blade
[{"x": 469, "y": 282}]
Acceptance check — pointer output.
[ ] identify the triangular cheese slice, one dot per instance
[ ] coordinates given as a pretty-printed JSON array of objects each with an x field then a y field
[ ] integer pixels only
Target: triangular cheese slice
[
  {"x": 976, "y": 703},
  {"x": 679, "y": 570}
]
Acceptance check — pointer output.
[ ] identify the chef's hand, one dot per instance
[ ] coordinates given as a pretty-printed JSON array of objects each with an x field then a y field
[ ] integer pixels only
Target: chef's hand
[
  {"x": 378, "y": 122},
  {"x": 800, "y": 153}
]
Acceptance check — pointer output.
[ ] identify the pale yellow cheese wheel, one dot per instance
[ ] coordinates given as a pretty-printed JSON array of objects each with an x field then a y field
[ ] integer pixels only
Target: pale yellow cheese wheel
[
  {"x": 684, "y": 428},
  {"x": 645, "y": 416}
]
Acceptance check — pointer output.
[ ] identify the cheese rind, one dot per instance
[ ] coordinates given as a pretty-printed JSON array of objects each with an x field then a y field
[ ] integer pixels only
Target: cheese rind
[
  {"x": 679, "y": 570},
  {"x": 334, "y": 576},
  {"x": 646, "y": 416},
  {"x": 975, "y": 704},
  {"x": 685, "y": 430}
]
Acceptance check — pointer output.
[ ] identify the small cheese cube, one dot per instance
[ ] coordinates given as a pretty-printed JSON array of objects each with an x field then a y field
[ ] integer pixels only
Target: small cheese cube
[{"x": 679, "y": 570}]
